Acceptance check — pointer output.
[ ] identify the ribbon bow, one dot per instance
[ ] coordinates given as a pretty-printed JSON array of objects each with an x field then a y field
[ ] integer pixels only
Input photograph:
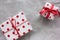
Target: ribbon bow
[{"x": 51, "y": 10}]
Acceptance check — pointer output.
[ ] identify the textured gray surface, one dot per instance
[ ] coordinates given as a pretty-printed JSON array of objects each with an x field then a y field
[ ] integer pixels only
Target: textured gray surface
[{"x": 42, "y": 28}]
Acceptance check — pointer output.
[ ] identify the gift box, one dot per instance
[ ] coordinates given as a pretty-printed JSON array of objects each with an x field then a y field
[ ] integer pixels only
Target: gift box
[
  {"x": 16, "y": 26},
  {"x": 49, "y": 11}
]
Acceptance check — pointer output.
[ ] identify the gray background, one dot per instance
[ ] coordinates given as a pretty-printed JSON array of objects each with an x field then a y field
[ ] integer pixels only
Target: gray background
[{"x": 42, "y": 29}]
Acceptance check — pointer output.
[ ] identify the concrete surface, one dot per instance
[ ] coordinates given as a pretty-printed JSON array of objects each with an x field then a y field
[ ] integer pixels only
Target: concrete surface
[{"x": 42, "y": 29}]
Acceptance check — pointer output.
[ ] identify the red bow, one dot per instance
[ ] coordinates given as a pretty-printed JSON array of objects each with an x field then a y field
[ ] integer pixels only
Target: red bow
[{"x": 51, "y": 10}]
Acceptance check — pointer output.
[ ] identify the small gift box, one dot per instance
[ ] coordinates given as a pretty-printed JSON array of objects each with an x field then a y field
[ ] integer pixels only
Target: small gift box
[
  {"x": 49, "y": 11},
  {"x": 16, "y": 27}
]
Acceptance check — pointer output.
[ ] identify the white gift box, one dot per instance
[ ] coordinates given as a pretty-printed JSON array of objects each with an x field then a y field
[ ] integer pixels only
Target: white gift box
[
  {"x": 45, "y": 12},
  {"x": 16, "y": 27}
]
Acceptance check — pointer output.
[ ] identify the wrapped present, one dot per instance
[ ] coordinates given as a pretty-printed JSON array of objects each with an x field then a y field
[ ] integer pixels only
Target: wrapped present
[
  {"x": 49, "y": 11},
  {"x": 16, "y": 27}
]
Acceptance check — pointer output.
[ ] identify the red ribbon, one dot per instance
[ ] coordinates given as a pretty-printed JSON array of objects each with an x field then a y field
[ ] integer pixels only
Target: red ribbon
[
  {"x": 14, "y": 26},
  {"x": 51, "y": 10}
]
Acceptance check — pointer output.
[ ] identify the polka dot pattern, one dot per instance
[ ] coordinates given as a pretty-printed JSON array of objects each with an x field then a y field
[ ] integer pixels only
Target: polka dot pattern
[
  {"x": 29, "y": 30},
  {"x": 8, "y": 29},
  {"x": 14, "y": 39},
  {"x": 7, "y": 22},
  {"x": 23, "y": 26},
  {"x": 17, "y": 16},
  {"x": 24, "y": 33},
  {"x": 3, "y": 32},
  {"x": 22, "y": 19},
  {"x": 21, "y": 13},
  {"x": 28, "y": 23},
  {"x": 11, "y": 33},
  {"x": 2, "y": 25},
  {"x": 12, "y": 19},
  {"x": 18, "y": 36},
  {"x": 8, "y": 35},
  {"x": 18, "y": 23}
]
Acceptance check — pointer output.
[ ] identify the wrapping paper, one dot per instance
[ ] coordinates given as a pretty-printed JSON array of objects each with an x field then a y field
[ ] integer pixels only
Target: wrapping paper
[
  {"x": 16, "y": 27},
  {"x": 49, "y": 11}
]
